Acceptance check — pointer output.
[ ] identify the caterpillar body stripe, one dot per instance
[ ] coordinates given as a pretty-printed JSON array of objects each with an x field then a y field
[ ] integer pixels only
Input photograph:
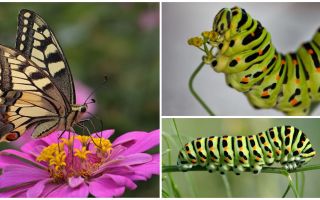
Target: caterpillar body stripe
[
  {"x": 246, "y": 55},
  {"x": 284, "y": 144}
]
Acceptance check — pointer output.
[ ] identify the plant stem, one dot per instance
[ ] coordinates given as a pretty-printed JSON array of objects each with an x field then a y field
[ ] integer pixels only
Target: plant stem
[
  {"x": 295, "y": 192},
  {"x": 286, "y": 192},
  {"x": 270, "y": 170},
  {"x": 194, "y": 93}
]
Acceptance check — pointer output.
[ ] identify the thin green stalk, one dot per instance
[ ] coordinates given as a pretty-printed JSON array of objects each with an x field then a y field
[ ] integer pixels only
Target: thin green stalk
[
  {"x": 302, "y": 184},
  {"x": 295, "y": 192},
  {"x": 194, "y": 93},
  {"x": 227, "y": 186},
  {"x": 174, "y": 187},
  {"x": 297, "y": 182},
  {"x": 287, "y": 190},
  {"x": 270, "y": 170},
  {"x": 177, "y": 132}
]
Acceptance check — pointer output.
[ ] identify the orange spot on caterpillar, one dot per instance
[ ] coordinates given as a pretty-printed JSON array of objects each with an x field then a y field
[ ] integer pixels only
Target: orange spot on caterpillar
[
  {"x": 211, "y": 149},
  {"x": 278, "y": 77},
  {"x": 265, "y": 93},
  {"x": 289, "y": 149},
  {"x": 238, "y": 59},
  {"x": 213, "y": 159},
  {"x": 297, "y": 81},
  {"x": 242, "y": 160},
  {"x": 318, "y": 69},
  {"x": 252, "y": 34},
  {"x": 283, "y": 62},
  {"x": 260, "y": 52},
  {"x": 245, "y": 79},
  {"x": 310, "y": 51},
  {"x": 293, "y": 102},
  {"x": 295, "y": 62},
  {"x": 194, "y": 161}
]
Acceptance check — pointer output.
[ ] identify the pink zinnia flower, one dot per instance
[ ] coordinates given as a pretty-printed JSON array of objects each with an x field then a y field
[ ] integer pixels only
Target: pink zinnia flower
[{"x": 79, "y": 166}]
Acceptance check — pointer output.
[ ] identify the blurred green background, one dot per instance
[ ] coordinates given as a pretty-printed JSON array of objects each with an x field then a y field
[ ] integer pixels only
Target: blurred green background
[
  {"x": 117, "y": 40},
  {"x": 204, "y": 184}
]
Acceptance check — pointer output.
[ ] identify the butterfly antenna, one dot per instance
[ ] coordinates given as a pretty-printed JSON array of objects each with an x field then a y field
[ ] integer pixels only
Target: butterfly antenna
[{"x": 95, "y": 90}]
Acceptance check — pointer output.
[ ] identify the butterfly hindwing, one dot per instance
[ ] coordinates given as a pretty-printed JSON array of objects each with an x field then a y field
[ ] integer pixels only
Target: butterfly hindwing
[
  {"x": 28, "y": 97},
  {"x": 37, "y": 42}
]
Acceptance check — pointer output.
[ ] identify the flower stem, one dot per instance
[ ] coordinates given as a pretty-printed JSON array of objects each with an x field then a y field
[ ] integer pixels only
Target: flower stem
[{"x": 194, "y": 93}]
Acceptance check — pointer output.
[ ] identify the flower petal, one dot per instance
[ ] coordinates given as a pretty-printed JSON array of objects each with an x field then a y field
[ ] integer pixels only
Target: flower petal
[
  {"x": 19, "y": 191},
  {"x": 65, "y": 191},
  {"x": 133, "y": 159},
  {"x": 110, "y": 185},
  {"x": 10, "y": 156},
  {"x": 13, "y": 175},
  {"x": 138, "y": 141},
  {"x": 75, "y": 181},
  {"x": 36, "y": 190},
  {"x": 148, "y": 169},
  {"x": 104, "y": 134}
]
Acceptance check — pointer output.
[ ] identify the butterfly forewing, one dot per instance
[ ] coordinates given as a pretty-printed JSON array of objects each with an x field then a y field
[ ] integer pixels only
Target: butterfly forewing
[
  {"x": 37, "y": 42},
  {"x": 28, "y": 97}
]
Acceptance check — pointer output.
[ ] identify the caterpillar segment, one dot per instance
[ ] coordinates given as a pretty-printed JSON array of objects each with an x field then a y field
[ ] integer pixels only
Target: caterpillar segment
[
  {"x": 244, "y": 52},
  {"x": 284, "y": 144}
]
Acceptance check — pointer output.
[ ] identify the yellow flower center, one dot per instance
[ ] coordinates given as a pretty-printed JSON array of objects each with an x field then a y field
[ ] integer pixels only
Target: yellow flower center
[{"x": 64, "y": 160}]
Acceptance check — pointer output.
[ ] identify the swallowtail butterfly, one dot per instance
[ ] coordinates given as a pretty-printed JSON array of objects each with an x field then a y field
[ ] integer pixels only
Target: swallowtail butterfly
[{"x": 37, "y": 89}]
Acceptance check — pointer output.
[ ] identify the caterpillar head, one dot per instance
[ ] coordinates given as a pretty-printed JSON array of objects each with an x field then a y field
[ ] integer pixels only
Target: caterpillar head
[
  {"x": 222, "y": 21},
  {"x": 231, "y": 21}
]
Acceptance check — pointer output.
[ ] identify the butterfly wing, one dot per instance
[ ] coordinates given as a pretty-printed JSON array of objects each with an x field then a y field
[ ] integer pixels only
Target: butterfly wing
[
  {"x": 28, "y": 97},
  {"x": 38, "y": 43}
]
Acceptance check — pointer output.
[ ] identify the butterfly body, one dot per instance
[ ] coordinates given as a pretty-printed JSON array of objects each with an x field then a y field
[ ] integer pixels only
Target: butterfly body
[{"x": 36, "y": 85}]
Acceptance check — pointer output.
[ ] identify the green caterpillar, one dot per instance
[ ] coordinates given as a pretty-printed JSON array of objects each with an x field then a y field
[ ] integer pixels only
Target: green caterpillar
[
  {"x": 241, "y": 47},
  {"x": 285, "y": 144}
]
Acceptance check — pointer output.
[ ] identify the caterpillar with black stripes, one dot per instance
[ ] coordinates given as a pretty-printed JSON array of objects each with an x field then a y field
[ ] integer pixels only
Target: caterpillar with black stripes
[
  {"x": 241, "y": 48},
  {"x": 285, "y": 144}
]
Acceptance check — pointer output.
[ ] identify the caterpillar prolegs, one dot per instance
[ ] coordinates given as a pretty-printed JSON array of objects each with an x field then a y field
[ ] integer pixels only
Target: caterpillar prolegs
[
  {"x": 285, "y": 144},
  {"x": 241, "y": 48}
]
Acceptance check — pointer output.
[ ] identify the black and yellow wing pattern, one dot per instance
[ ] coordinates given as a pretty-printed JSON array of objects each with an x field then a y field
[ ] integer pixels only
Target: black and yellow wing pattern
[{"x": 37, "y": 89}]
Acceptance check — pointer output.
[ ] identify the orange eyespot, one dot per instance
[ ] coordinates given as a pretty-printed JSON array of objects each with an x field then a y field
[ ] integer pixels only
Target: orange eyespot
[{"x": 12, "y": 136}]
